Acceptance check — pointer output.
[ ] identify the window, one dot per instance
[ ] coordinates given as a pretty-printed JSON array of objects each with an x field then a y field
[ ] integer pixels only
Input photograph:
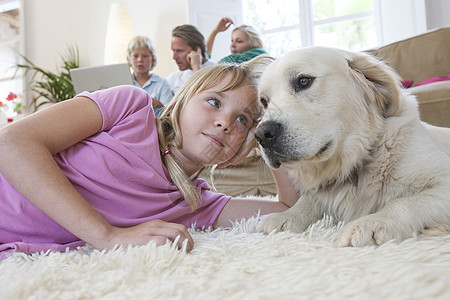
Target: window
[
  {"x": 9, "y": 48},
  {"x": 291, "y": 24}
]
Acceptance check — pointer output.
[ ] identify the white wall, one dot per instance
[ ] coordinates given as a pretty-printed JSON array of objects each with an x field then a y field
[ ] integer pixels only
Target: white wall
[
  {"x": 438, "y": 13},
  {"x": 52, "y": 25},
  {"x": 205, "y": 14},
  {"x": 400, "y": 19}
]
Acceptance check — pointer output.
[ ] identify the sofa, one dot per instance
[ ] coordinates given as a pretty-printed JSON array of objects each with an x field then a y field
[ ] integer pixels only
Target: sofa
[
  {"x": 416, "y": 59},
  {"x": 250, "y": 177}
]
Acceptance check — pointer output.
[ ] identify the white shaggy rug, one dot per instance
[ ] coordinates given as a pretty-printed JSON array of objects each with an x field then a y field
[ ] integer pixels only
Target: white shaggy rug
[{"x": 239, "y": 263}]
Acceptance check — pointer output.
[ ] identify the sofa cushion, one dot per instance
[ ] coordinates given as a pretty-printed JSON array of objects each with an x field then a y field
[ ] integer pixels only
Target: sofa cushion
[
  {"x": 420, "y": 57},
  {"x": 250, "y": 177},
  {"x": 434, "y": 102}
]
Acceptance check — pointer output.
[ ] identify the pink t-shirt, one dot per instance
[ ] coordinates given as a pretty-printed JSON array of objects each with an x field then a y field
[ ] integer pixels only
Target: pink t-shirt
[{"x": 118, "y": 171}]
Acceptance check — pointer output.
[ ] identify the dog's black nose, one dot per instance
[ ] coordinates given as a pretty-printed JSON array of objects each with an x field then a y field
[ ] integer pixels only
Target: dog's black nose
[{"x": 267, "y": 132}]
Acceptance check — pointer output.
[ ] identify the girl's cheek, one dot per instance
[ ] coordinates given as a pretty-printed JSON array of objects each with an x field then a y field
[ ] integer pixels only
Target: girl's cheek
[{"x": 240, "y": 139}]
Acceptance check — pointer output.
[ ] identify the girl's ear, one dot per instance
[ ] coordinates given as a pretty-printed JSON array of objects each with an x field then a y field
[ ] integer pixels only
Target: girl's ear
[{"x": 380, "y": 83}]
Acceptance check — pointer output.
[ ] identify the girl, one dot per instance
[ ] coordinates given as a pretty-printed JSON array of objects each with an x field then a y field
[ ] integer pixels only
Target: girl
[
  {"x": 100, "y": 169},
  {"x": 245, "y": 44}
]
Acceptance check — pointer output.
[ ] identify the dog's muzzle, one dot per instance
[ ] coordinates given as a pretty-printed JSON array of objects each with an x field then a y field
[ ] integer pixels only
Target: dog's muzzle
[{"x": 267, "y": 133}]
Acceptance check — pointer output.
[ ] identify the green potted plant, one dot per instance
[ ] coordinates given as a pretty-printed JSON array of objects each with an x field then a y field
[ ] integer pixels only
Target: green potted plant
[{"x": 51, "y": 87}]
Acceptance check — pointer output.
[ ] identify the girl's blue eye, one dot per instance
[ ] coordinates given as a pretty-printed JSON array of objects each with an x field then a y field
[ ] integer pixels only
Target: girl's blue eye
[
  {"x": 242, "y": 120},
  {"x": 214, "y": 102}
]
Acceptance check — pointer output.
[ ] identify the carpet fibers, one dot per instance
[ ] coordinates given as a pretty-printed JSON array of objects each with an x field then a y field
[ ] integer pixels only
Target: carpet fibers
[{"x": 239, "y": 263}]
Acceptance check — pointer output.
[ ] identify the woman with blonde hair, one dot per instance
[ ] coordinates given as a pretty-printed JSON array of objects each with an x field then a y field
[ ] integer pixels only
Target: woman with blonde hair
[
  {"x": 101, "y": 169},
  {"x": 245, "y": 44}
]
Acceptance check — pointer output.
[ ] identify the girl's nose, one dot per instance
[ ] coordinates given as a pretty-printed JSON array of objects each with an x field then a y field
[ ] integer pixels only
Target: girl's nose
[{"x": 222, "y": 124}]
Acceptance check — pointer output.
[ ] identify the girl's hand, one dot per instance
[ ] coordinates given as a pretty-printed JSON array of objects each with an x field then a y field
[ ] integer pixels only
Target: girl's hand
[
  {"x": 158, "y": 231},
  {"x": 248, "y": 145}
]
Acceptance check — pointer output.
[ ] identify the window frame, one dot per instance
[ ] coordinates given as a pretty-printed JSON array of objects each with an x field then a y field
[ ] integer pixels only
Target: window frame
[
  {"x": 17, "y": 78},
  {"x": 306, "y": 23}
]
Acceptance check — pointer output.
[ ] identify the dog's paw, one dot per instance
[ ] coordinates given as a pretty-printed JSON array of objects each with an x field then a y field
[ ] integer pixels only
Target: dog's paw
[
  {"x": 371, "y": 230},
  {"x": 282, "y": 222}
]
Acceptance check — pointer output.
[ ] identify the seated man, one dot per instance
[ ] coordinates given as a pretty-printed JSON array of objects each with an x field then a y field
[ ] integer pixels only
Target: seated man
[{"x": 189, "y": 53}]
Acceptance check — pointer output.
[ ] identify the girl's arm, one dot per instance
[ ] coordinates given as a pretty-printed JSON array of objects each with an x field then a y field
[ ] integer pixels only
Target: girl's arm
[
  {"x": 287, "y": 191},
  {"x": 26, "y": 149},
  {"x": 242, "y": 208}
]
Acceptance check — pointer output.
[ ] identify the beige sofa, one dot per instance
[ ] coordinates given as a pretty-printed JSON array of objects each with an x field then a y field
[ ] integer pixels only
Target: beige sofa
[
  {"x": 417, "y": 58},
  {"x": 251, "y": 177}
]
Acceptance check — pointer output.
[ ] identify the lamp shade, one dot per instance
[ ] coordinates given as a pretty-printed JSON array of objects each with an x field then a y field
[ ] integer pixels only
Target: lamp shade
[{"x": 119, "y": 32}]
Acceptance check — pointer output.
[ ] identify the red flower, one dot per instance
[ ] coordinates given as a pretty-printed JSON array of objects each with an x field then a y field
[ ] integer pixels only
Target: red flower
[
  {"x": 11, "y": 96},
  {"x": 1, "y": 103}
]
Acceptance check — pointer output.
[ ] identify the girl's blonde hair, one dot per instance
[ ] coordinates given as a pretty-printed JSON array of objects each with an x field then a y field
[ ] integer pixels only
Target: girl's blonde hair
[
  {"x": 253, "y": 36},
  {"x": 142, "y": 42},
  {"x": 169, "y": 132}
]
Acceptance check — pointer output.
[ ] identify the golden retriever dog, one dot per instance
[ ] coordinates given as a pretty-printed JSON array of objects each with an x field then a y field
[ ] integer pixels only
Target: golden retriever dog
[{"x": 352, "y": 141}]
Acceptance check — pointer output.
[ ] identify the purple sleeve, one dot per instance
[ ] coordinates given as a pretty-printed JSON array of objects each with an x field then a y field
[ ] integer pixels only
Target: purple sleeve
[
  {"x": 211, "y": 204},
  {"x": 118, "y": 102}
]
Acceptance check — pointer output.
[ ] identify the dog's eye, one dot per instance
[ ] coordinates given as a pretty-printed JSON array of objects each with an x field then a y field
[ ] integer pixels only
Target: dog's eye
[
  {"x": 302, "y": 83},
  {"x": 264, "y": 102}
]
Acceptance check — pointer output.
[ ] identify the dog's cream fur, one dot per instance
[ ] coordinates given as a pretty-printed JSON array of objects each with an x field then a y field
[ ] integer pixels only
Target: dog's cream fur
[{"x": 352, "y": 141}]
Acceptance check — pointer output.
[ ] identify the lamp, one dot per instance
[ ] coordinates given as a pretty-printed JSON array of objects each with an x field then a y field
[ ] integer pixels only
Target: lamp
[{"x": 119, "y": 32}]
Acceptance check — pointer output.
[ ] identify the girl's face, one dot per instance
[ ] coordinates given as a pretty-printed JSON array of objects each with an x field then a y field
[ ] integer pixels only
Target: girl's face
[
  {"x": 141, "y": 61},
  {"x": 215, "y": 124},
  {"x": 239, "y": 42}
]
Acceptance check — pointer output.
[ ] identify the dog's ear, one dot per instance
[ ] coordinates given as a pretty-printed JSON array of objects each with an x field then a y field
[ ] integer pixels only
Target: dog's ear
[
  {"x": 256, "y": 67},
  {"x": 380, "y": 82}
]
